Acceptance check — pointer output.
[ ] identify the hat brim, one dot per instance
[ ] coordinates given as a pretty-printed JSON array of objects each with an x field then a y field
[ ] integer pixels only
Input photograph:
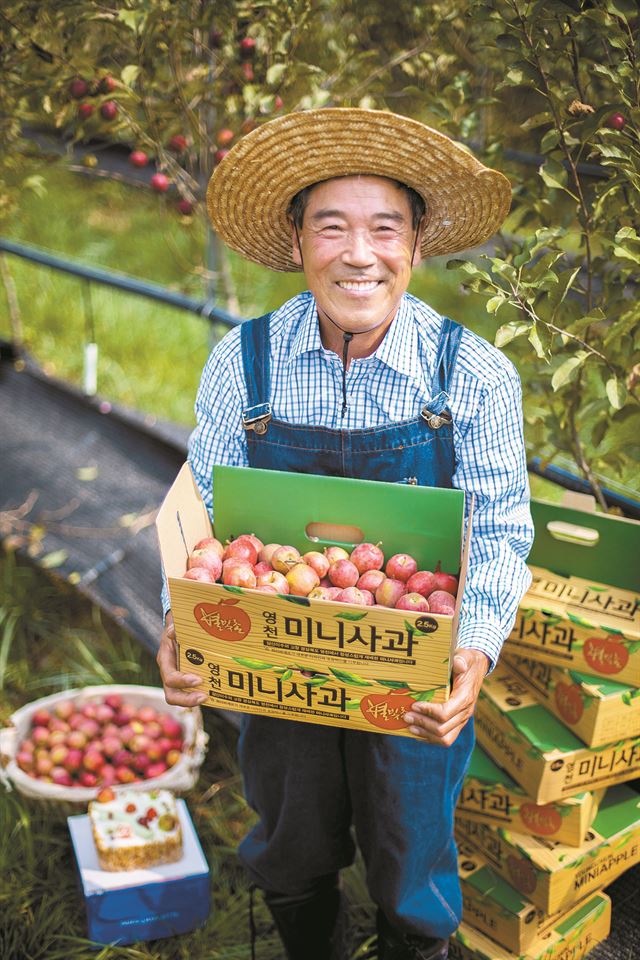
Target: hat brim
[{"x": 250, "y": 190}]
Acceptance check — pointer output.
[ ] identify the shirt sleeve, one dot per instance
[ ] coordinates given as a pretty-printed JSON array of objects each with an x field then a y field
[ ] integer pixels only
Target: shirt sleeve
[
  {"x": 492, "y": 466},
  {"x": 219, "y": 436}
]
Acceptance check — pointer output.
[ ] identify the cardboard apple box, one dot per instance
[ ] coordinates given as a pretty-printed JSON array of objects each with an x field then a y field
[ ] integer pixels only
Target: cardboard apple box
[
  {"x": 553, "y": 875},
  {"x": 583, "y": 608},
  {"x": 495, "y": 908},
  {"x": 598, "y": 710},
  {"x": 571, "y": 939},
  {"x": 313, "y": 660},
  {"x": 539, "y": 751},
  {"x": 490, "y": 796}
]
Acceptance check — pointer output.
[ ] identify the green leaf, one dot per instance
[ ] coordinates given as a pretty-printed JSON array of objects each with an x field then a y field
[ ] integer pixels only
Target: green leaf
[
  {"x": 301, "y": 601},
  {"x": 129, "y": 74},
  {"x": 55, "y": 559},
  {"x": 550, "y": 140},
  {"x": 509, "y": 331},
  {"x": 494, "y": 304},
  {"x": 553, "y": 174},
  {"x": 423, "y": 696},
  {"x": 616, "y": 392},
  {"x": 394, "y": 684},
  {"x": 536, "y": 342},
  {"x": 349, "y": 616},
  {"x": 537, "y": 120},
  {"x": 350, "y": 678},
  {"x": 317, "y": 681},
  {"x": 226, "y": 586},
  {"x": 275, "y": 73},
  {"x": 567, "y": 370}
]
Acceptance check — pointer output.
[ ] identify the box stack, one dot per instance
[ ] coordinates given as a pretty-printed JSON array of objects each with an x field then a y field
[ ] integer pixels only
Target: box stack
[{"x": 546, "y": 819}]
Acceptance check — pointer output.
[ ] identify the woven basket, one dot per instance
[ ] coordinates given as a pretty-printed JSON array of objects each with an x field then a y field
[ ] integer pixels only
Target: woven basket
[{"x": 180, "y": 777}]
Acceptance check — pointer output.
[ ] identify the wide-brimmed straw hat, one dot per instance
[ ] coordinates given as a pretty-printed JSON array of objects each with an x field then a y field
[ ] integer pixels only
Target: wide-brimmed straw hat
[{"x": 250, "y": 190}]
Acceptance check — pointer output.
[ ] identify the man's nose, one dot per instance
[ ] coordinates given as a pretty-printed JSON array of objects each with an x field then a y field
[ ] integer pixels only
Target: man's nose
[{"x": 359, "y": 250}]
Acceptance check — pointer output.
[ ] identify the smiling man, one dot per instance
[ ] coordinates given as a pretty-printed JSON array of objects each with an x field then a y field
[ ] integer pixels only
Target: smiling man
[{"x": 357, "y": 378}]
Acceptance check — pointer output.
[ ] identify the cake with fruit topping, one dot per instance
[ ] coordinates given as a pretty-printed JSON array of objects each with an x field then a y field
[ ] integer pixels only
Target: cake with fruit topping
[{"x": 134, "y": 829}]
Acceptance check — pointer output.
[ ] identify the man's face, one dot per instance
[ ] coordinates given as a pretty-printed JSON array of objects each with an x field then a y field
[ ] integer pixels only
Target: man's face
[{"x": 357, "y": 240}]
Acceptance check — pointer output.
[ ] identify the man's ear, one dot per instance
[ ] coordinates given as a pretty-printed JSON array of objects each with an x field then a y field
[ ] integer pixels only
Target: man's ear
[
  {"x": 417, "y": 256},
  {"x": 296, "y": 255}
]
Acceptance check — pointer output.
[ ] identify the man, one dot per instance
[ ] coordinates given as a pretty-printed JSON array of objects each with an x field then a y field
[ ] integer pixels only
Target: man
[{"x": 357, "y": 378}]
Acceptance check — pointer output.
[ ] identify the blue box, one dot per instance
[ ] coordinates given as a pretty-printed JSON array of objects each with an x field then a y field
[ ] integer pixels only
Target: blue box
[{"x": 126, "y": 906}]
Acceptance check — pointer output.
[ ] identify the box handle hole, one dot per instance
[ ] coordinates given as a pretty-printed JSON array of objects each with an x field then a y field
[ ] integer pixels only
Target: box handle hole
[
  {"x": 336, "y": 533},
  {"x": 572, "y": 533}
]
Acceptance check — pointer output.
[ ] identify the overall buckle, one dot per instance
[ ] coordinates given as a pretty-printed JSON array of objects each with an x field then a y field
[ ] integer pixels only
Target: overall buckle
[
  {"x": 256, "y": 418},
  {"x": 436, "y": 420}
]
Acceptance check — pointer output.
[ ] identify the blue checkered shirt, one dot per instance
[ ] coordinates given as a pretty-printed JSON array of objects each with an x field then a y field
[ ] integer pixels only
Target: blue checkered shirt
[{"x": 385, "y": 388}]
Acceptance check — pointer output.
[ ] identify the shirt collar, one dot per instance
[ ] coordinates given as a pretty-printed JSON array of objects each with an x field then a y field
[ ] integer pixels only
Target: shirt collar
[{"x": 399, "y": 350}]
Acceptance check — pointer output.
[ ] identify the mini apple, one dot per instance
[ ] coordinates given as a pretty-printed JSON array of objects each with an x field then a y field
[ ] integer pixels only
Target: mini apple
[
  {"x": 185, "y": 207},
  {"x": 248, "y": 72},
  {"x": 107, "y": 84},
  {"x": 108, "y": 775},
  {"x": 172, "y": 757},
  {"x": 170, "y": 726},
  {"x": 104, "y": 713},
  {"x": 152, "y": 729},
  {"x": 58, "y": 726},
  {"x": 138, "y": 158},
  {"x": 219, "y": 155},
  {"x": 90, "y": 727},
  {"x": 284, "y": 558},
  {"x": 267, "y": 552},
  {"x": 160, "y": 182},
  {"x": 302, "y": 579},
  {"x": 111, "y": 745},
  {"x": 446, "y": 582},
  {"x": 93, "y": 759},
  {"x": 318, "y": 561},
  {"x": 178, "y": 143},
  {"x": 256, "y": 541},
  {"x": 224, "y": 136},
  {"x": 273, "y": 578},
  {"x": 25, "y": 760},
  {"x": 210, "y": 543},
  {"x": 367, "y": 556},
  {"x": 401, "y": 566},
  {"x": 125, "y": 775},
  {"x": 616, "y": 121},
  {"x": 40, "y": 736},
  {"x": 73, "y": 760},
  {"x": 352, "y": 595},
  {"x": 413, "y": 601},
  {"x": 247, "y": 47},
  {"x": 156, "y": 769},
  {"x": 140, "y": 763},
  {"x": 76, "y": 739},
  {"x": 278, "y": 103},
  {"x": 389, "y": 592},
  {"x": 78, "y": 88},
  {"x": 343, "y": 573},
  {"x": 199, "y": 573},
  {"x": 442, "y": 602},
  {"x": 61, "y": 776},
  {"x": 261, "y": 567},
  {"x": 40, "y": 718},
  {"x": 87, "y": 778},
  {"x": 125, "y": 714},
  {"x": 371, "y": 580},
  {"x": 85, "y": 110},
  {"x": 336, "y": 553},
  {"x": 208, "y": 559},
  {"x": 240, "y": 550},
  {"x": 423, "y": 582},
  {"x": 321, "y": 593},
  {"x": 109, "y": 110},
  {"x": 238, "y": 573},
  {"x": 122, "y": 758},
  {"x": 369, "y": 598},
  {"x": 63, "y": 709}
]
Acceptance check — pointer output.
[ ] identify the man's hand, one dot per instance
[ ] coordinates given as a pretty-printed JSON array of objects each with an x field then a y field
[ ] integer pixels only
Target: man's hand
[
  {"x": 177, "y": 686},
  {"x": 442, "y": 722}
]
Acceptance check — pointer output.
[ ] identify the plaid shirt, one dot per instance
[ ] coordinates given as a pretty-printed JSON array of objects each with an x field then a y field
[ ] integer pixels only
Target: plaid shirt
[{"x": 385, "y": 388}]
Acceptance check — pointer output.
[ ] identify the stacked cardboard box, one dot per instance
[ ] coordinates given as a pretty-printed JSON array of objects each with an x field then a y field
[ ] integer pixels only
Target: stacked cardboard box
[{"x": 545, "y": 822}]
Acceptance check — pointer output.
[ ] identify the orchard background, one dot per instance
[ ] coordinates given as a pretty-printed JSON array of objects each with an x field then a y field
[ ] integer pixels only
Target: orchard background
[{"x": 178, "y": 83}]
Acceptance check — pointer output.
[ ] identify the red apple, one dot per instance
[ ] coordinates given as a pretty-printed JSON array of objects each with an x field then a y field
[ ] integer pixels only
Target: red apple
[
  {"x": 93, "y": 759},
  {"x": 446, "y": 582},
  {"x": 25, "y": 760},
  {"x": 111, "y": 745},
  {"x": 247, "y": 70},
  {"x": 367, "y": 556},
  {"x": 278, "y": 103},
  {"x": 265, "y": 588},
  {"x": 61, "y": 776},
  {"x": 389, "y": 592},
  {"x": 125, "y": 714},
  {"x": 322, "y": 593},
  {"x": 273, "y": 578},
  {"x": 85, "y": 110},
  {"x": 343, "y": 573},
  {"x": 63, "y": 709},
  {"x": 138, "y": 158},
  {"x": 78, "y": 88},
  {"x": 172, "y": 757},
  {"x": 401, "y": 566},
  {"x": 336, "y": 553},
  {"x": 87, "y": 778},
  {"x": 247, "y": 47},
  {"x": 125, "y": 775},
  {"x": 284, "y": 558},
  {"x": 160, "y": 182},
  {"x": 302, "y": 579},
  {"x": 224, "y": 136},
  {"x": 40, "y": 718},
  {"x": 352, "y": 595},
  {"x": 251, "y": 538},
  {"x": 240, "y": 550},
  {"x": 423, "y": 582},
  {"x": 210, "y": 543},
  {"x": 73, "y": 760},
  {"x": 260, "y": 568},
  {"x": 413, "y": 601},
  {"x": 104, "y": 713},
  {"x": 442, "y": 602},
  {"x": 40, "y": 736},
  {"x": 616, "y": 121},
  {"x": 318, "y": 561},
  {"x": 208, "y": 559},
  {"x": 219, "y": 155},
  {"x": 238, "y": 573},
  {"x": 178, "y": 143},
  {"x": 369, "y": 597},
  {"x": 170, "y": 726},
  {"x": 199, "y": 573},
  {"x": 185, "y": 207},
  {"x": 371, "y": 580},
  {"x": 109, "y": 110},
  {"x": 156, "y": 769},
  {"x": 267, "y": 552}
]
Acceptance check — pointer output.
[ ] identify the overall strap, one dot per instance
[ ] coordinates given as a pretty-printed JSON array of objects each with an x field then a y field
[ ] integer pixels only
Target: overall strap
[
  {"x": 435, "y": 412},
  {"x": 254, "y": 340}
]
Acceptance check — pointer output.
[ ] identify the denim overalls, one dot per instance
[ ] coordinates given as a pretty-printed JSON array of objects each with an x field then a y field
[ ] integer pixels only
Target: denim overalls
[{"x": 307, "y": 782}]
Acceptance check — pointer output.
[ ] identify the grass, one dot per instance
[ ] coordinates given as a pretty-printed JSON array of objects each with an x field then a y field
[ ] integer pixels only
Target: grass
[{"x": 57, "y": 642}]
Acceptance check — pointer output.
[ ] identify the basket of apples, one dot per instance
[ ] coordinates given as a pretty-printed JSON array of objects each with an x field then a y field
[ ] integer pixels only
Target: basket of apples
[{"x": 69, "y": 745}]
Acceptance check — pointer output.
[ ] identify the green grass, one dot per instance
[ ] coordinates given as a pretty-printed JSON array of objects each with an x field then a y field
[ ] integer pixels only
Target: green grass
[{"x": 53, "y": 640}]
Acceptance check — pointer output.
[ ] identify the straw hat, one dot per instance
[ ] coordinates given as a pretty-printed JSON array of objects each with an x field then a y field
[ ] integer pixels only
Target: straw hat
[{"x": 250, "y": 190}]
